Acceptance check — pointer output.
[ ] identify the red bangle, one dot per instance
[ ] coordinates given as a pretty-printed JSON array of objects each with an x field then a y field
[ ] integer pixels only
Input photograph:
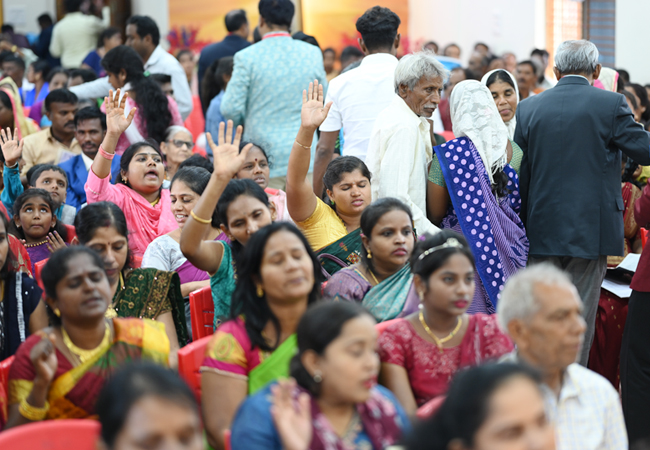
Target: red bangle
[{"x": 105, "y": 154}]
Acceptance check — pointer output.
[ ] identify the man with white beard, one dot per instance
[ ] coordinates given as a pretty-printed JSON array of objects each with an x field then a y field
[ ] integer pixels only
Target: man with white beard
[{"x": 401, "y": 143}]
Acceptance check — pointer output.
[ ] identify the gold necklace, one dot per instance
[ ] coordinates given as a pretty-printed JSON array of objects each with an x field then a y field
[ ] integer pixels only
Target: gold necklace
[
  {"x": 155, "y": 202},
  {"x": 373, "y": 276},
  {"x": 85, "y": 355},
  {"x": 440, "y": 341},
  {"x": 35, "y": 244}
]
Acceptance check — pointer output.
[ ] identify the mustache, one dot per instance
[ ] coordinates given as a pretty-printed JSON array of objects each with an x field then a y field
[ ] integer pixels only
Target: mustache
[{"x": 69, "y": 123}]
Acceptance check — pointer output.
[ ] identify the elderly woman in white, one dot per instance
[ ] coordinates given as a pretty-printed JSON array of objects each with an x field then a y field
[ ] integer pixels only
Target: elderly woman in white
[{"x": 401, "y": 148}]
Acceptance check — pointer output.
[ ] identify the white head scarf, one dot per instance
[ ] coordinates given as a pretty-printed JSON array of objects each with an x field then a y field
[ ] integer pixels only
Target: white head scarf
[
  {"x": 474, "y": 114},
  {"x": 512, "y": 123}
]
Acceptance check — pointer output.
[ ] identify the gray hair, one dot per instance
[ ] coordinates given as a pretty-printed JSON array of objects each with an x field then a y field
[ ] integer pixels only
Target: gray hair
[
  {"x": 411, "y": 68},
  {"x": 576, "y": 57},
  {"x": 518, "y": 300},
  {"x": 174, "y": 130}
]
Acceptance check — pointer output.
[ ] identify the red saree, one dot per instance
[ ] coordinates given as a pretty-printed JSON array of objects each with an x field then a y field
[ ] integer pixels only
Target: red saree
[{"x": 604, "y": 356}]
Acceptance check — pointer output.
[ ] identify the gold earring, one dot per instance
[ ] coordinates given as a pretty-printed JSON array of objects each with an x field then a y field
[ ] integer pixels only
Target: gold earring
[
  {"x": 260, "y": 291},
  {"x": 124, "y": 180},
  {"x": 57, "y": 313},
  {"x": 369, "y": 254}
]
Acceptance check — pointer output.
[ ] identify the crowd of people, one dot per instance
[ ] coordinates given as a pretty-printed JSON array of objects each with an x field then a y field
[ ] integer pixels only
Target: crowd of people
[{"x": 400, "y": 251}]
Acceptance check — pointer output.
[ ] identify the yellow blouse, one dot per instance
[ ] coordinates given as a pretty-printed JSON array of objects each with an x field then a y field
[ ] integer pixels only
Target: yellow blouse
[{"x": 323, "y": 227}]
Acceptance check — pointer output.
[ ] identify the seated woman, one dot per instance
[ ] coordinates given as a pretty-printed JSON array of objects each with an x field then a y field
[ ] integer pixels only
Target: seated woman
[
  {"x": 34, "y": 222},
  {"x": 58, "y": 372},
  {"x": 382, "y": 281},
  {"x": 145, "y": 403},
  {"x": 483, "y": 405},
  {"x": 258, "y": 168},
  {"x": 143, "y": 293},
  {"x": 12, "y": 114},
  {"x": 278, "y": 277},
  {"x": 154, "y": 111},
  {"x": 332, "y": 402},
  {"x": 480, "y": 196},
  {"x": 333, "y": 230},
  {"x": 421, "y": 354},
  {"x": 242, "y": 208},
  {"x": 164, "y": 252},
  {"x": 18, "y": 318},
  {"x": 37, "y": 75},
  {"x": 138, "y": 192},
  {"x": 176, "y": 148}
]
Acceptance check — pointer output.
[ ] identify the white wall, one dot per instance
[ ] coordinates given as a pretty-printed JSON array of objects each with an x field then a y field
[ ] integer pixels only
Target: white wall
[
  {"x": 158, "y": 10},
  {"x": 505, "y": 25},
  {"x": 22, "y": 14},
  {"x": 631, "y": 51}
]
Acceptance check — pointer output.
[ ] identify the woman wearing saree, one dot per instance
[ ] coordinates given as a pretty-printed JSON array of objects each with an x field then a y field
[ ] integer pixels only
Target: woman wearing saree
[
  {"x": 481, "y": 195},
  {"x": 332, "y": 402},
  {"x": 146, "y": 293},
  {"x": 605, "y": 353},
  {"x": 382, "y": 281},
  {"x": 421, "y": 353},
  {"x": 12, "y": 115},
  {"x": 164, "y": 253},
  {"x": 333, "y": 231},
  {"x": 278, "y": 277},
  {"x": 139, "y": 191},
  {"x": 58, "y": 372},
  {"x": 242, "y": 208}
]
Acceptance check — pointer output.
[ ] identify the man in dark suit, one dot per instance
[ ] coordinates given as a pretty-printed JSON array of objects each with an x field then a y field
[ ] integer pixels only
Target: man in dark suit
[
  {"x": 571, "y": 173},
  {"x": 237, "y": 39},
  {"x": 90, "y": 129}
]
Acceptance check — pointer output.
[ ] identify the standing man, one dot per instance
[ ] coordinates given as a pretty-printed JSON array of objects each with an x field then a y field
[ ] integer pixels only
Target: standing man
[
  {"x": 143, "y": 36},
  {"x": 526, "y": 75},
  {"x": 400, "y": 148},
  {"x": 570, "y": 175},
  {"x": 74, "y": 36},
  {"x": 237, "y": 39},
  {"x": 360, "y": 95},
  {"x": 267, "y": 79}
]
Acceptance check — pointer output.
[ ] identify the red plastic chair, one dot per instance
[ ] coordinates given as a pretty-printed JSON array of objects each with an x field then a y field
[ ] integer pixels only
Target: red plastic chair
[
  {"x": 431, "y": 407},
  {"x": 52, "y": 435},
  {"x": 202, "y": 313},
  {"x": 190, "y": 359},
  {"x": 381, "y": 326},
  {"x": 72, "y": 232}
]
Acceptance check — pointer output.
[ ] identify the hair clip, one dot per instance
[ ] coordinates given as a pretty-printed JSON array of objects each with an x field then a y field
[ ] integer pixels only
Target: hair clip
[{"x": 449, "y": 243}]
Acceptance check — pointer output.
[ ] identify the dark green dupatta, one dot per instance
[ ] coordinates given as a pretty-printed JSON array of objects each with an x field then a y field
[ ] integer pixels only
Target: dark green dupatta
[
  {"x": 149, "y": 292},
  {"x": 340, "y": 254}
]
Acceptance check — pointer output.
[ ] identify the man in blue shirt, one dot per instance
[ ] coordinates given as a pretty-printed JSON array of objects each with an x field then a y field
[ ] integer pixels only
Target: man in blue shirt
[{"x": 237, "y": 39}]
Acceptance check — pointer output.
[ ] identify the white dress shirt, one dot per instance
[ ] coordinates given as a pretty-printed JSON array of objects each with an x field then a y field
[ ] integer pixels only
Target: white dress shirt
[
  {"x": 398, "y": 158},
  {"x": 159, "y": 62},
  {"x": 359, "y": 96}
]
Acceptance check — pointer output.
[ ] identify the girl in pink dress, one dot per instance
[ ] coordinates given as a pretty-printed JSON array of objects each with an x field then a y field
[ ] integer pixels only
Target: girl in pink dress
[{"x": 421, "y": 353}]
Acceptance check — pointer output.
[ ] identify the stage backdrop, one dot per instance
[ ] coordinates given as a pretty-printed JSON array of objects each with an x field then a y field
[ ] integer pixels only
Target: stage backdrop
[{"x": 195, "y": 23}]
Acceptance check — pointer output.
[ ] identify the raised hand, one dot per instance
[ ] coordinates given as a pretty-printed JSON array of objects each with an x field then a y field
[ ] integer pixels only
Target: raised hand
[
  {"x": 313, "y": 112},
  {"x": 293, "y": 421},
  {"x": 43, "y": 357},
  {"x": 11, "y": 148},
  {"x": 227, "y": 158},
  {"x": 116, "y": 122}
]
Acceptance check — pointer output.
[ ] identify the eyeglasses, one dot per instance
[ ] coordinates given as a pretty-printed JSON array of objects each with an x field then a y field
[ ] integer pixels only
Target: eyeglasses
[{"x": 178, "y": 143}]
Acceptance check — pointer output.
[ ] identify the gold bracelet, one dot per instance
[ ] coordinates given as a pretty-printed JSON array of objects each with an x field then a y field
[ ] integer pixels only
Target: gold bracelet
[
  {"x": 199, "y": 220},
  {"x": 33, "y": 413},
  {"x": 303, "y": 146}
]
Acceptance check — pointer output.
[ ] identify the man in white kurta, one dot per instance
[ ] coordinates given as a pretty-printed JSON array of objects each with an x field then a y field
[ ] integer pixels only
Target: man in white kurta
[{"x": 400, "y": 148}]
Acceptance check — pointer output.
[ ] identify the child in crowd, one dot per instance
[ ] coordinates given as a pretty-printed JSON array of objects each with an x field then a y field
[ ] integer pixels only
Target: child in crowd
[
  {"x": 42, "y": 176},
  {"x": 35, "y": 223}
]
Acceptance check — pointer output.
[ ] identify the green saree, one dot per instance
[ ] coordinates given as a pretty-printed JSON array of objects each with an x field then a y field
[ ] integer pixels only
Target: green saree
[{"x": 341, "y": 253}]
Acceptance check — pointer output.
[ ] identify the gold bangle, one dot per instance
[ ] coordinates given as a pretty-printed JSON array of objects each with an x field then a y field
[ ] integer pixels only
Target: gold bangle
[
  {"x": 199, "y": 220},
  {"x": 33, "y": 413},
  {"x": 303, "y": 146}
]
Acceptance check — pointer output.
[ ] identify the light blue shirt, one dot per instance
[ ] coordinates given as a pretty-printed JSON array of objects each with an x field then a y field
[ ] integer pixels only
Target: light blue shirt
[{"x": 265, "y": 93}]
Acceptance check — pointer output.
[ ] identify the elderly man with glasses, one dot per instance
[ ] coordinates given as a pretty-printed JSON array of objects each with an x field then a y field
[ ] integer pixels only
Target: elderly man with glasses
[{"x": 542, "y": 312}]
